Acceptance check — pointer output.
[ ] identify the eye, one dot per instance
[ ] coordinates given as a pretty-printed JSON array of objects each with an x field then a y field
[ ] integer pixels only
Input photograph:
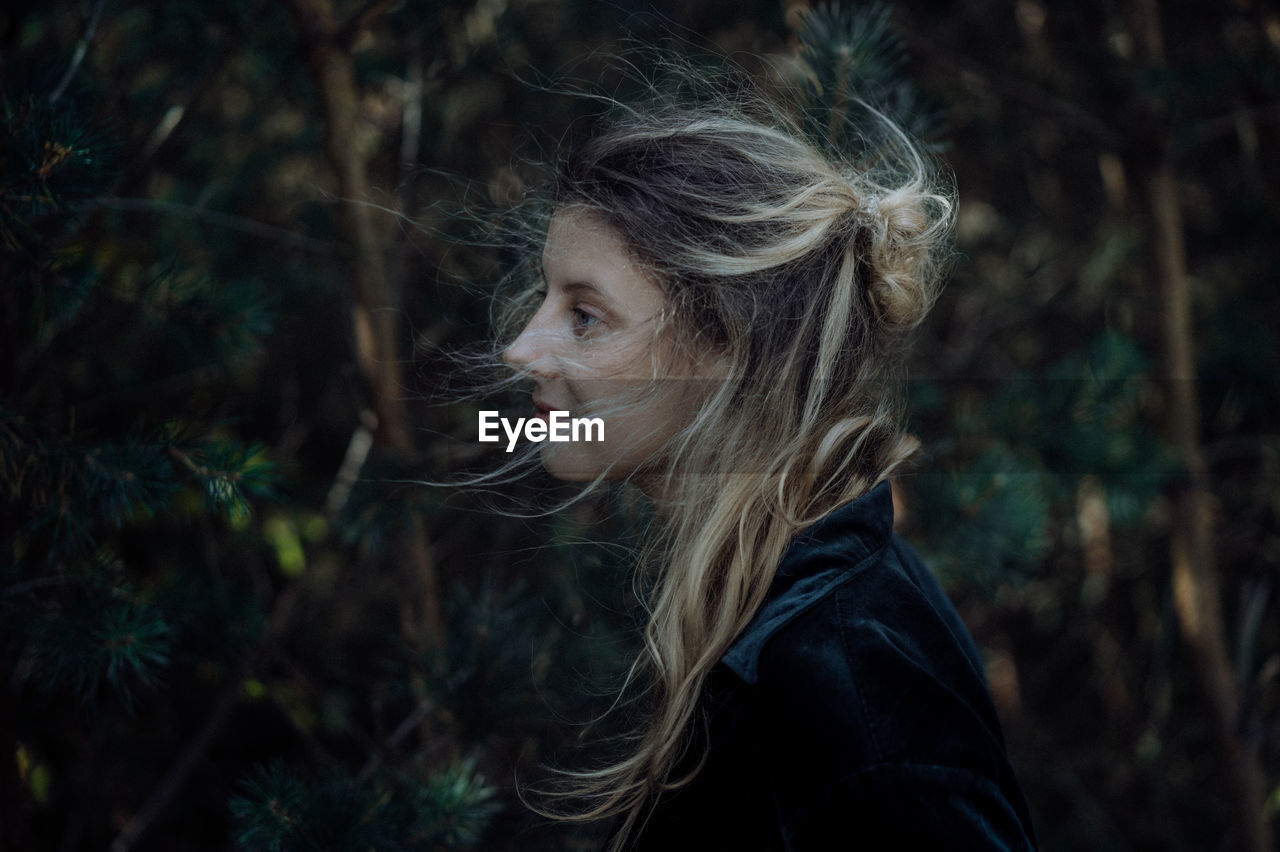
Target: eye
[{"x": 583, "y": 321}]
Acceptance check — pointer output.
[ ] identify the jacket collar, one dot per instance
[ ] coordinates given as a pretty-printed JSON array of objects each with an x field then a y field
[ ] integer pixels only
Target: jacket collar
[{"x": 825, "y": 554}]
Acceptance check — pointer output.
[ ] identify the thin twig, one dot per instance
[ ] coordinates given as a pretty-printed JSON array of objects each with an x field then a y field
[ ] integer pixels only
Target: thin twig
[
  {"x": 1211, "y": 128},
  {"x": 226, "y": 220},
  {"x": 349, "y": 471},
  {"x": 81, "y": 49},
  {"x": 37, "y": 583},
  {"x": 1073, "y": 114},
  {"x": 174, "y": 115},
  {"x": 345, "y": 36},
  {"x": 317, "y": 748},
  {"x": 134, "y": 175},
  {"x": 415, "y": 718},
  {"x": 199, "y": 743}
]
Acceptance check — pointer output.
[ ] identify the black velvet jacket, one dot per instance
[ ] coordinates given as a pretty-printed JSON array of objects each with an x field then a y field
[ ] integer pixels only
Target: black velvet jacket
[{"x": 851, "y": 714}]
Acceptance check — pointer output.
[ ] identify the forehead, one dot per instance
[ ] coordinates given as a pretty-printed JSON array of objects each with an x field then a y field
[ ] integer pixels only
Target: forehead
[
  {"x": 583, "y": 248},
  {"x": 580, "y": 230}
]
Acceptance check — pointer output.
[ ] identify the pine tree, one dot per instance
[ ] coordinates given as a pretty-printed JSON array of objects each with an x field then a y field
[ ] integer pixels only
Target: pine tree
[
  {"x": 118, "y": 477},
  {"x": 203, "y": 637},
  {"x": 103, "y": 440}
]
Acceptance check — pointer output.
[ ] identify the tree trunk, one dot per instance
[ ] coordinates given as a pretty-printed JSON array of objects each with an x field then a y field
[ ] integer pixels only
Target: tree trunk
[
  {"x": 326, "y": 46},
  {"x": 1196, "y": 596},
  {"x": 1193, "y": 573}
]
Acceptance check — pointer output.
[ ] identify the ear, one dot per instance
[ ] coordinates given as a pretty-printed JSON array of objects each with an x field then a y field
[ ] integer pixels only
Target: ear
[
  {"x": 708, "y": 362},
  {"x": 714, "y": 364}
]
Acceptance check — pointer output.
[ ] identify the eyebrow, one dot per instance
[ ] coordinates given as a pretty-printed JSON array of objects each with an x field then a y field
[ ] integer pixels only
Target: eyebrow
[{"x": 574, "y": 286}]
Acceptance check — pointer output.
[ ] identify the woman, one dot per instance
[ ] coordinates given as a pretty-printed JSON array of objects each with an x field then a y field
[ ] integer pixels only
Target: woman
[{"x": 734, "y": 304}]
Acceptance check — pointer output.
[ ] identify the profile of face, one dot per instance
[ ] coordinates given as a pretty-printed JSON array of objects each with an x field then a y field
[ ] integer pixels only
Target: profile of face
[{"x": 592, "y": 350}]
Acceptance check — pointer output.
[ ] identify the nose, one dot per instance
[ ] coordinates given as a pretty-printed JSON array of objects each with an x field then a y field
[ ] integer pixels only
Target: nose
[{"x": 533, "y": 351}]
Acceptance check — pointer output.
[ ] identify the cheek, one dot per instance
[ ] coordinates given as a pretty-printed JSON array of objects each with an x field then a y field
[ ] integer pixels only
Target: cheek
[
  {"x": 574, "y": 396},
  {"x": 648, "y": 428},
  {"x": 630, "y": 357}
]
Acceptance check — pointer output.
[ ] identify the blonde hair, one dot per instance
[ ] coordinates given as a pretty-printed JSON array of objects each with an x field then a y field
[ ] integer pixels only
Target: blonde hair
[{"x": 805, "y": 271}]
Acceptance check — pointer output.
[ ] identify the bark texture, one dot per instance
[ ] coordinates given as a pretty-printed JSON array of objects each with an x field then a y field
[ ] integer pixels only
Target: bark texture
[
  {"x": 327, "y": 46},
  {"x": 1193, "y": 571}
]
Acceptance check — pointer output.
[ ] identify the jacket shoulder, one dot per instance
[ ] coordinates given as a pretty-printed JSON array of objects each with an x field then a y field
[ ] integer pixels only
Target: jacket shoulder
[{"x": 883, "y": 666}]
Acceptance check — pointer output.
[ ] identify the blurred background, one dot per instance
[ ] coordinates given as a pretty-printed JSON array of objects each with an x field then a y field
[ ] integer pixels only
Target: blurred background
[{"x": 230, "y": 256}]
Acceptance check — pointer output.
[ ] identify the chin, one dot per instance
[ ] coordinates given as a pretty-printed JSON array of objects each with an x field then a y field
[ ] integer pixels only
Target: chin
[{"x": 561, "y": 462}]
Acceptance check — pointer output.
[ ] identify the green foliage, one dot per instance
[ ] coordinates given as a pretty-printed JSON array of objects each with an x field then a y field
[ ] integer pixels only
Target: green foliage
[
  {"x": 226, "y": 473},
  {"x": 106, "y": 438},
  {"x": 271, "y": 811},
  {"x": 844, "y": 44},
  {"x": 51, "y": 157},
  {"x": 280, "y": 812},
  {"x": 73, "y": 491},
  {"x": 98, "y": 636},
  {"x": 384, "y": 500},
  {"x": 178, "y": 391},
  {"x": 990, "y": 517},
  {"x": 452, "y": 808},
  {"x": 489, "y": 644},
  {"x": 855, "y": 59},
  {"x": 1015, "y": 451}
]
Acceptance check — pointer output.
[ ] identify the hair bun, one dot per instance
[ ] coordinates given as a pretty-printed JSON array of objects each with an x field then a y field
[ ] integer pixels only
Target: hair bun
[{"x": 904, "y": 270}]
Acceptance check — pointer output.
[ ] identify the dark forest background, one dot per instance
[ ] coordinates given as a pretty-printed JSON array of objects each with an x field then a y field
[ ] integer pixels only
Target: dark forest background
[{"x": 228, "y": 616}]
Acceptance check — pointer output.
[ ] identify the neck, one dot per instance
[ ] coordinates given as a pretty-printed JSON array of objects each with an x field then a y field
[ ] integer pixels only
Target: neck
[{"x": 660, "y": 489}]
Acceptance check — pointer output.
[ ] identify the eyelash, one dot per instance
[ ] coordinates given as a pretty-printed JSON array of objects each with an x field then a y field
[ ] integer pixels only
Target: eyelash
[
  {"x": 589, "y": 324},
  {"x": 577, "y": 312}
]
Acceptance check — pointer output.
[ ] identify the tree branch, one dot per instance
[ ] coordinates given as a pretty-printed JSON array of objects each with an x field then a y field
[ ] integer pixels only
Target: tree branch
[
  {"x": 252, "y": 227},
  {"x": 208, "y": 732},
  {"x": 1193, "y": 571},
  {"x": 1222, "y": 125},
  {"x": 81, "y": 50},
  {"x": 374, "y": 308},
  {"x": 1017, "y": 89},
  {"x": 346, "y": 35}
]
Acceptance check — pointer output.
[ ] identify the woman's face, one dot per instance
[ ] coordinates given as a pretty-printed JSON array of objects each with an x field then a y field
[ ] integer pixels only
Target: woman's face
[{"x": 591, "y": 351}]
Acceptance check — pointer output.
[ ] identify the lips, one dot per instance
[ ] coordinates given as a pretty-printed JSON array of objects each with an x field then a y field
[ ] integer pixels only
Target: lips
[{"x": 542, "y": 408}]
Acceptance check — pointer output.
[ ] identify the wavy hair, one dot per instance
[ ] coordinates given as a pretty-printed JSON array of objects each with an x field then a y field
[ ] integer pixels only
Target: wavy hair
[{"x": 805, "y": 271}]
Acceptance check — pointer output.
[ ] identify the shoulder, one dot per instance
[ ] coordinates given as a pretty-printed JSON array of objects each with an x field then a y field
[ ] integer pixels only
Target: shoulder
[
  {"x": 876, "y": 705},
  {"x": 853, "y": 701},
  {"x": 884, "y": 660}
]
